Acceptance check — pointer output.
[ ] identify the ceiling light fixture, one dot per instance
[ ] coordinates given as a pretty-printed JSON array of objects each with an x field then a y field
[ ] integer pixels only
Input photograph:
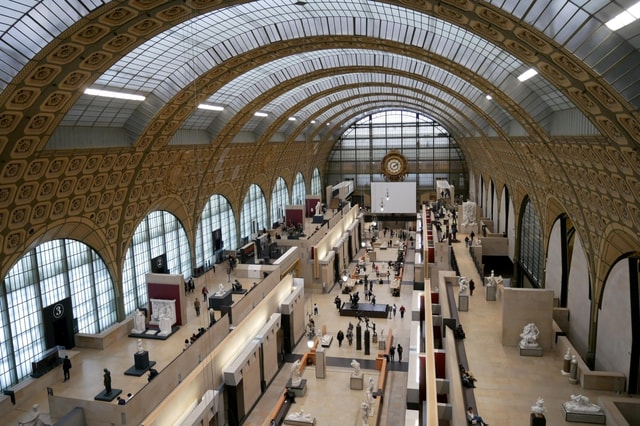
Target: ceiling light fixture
[
  {"x": 625, "y": 18},
  {"x": 527, "y": 74},
  {"x": 211, "y": 107},
  {"x": 261, "y": 114},
  {"x": 489, "y": 97},
  {"x": 292, "y": 119},
  {"x": 111, "y": 94},
  {"x": 387, "y": 194}
]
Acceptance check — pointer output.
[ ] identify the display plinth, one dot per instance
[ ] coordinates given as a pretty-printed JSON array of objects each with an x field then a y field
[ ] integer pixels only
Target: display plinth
[
  {"x": 530, "y": 351},
  {"x": 463, "y": 302},
  {"x": 382, "y": 344},
  {"x": 356, "y": 382},
  {"x": 299, "y": 390},
  {"x": 490, "y": 293},
  {"x": 318, "y": 218},
  {"x": 297, "y": 422},
  {"x": 217, "y": 301},
  {"x": 595, "y": 417},
  {"x": 538, "y": 420},
  {"x": 141, "y": 360},
  {"x": 102, "y": 396}
]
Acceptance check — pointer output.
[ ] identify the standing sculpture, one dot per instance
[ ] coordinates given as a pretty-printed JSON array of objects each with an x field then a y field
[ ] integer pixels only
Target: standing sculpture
[
  {"x": 296, "y": 379},
  {"x": 107, "y": 382},
  {"x": 356, "y": 368}
]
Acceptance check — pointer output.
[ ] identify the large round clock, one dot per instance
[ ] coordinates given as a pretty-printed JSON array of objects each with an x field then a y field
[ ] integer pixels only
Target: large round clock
[{"x": 394, "y": 166}]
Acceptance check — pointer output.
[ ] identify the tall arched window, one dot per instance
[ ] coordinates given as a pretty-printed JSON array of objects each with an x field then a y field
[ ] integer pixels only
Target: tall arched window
[
  {"x": 279, "y": 199},
  {"x": 158, "y": 233},
  {"x": 430, "y": 150},
  {"x": 531, "y": 255},
  {"x": 52, "y": 271},
  {"x": 254, "y": 213},
  {"x": 299, "y": 192},
  {"x": 316, "y": 184},
  {"x": 217, "y": 214}
]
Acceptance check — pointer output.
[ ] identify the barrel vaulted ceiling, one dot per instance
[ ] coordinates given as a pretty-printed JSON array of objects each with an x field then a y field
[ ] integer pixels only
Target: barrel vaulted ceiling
[{"x": 87, "y": 167}]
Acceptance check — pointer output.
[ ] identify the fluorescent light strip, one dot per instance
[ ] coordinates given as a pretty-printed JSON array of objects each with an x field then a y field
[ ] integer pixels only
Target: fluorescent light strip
[
  {"x": 110, "y": 94},
  {"x": 261, "y": 114},
  {"x": 292, "y": 119},
  {"x": 624, "y": 18},
  {"x": 527, "y": 74},
  {"x": 211, "y": 107}
]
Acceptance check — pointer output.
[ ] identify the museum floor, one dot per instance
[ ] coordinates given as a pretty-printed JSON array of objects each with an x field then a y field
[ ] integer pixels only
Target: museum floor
[{"x": 508, "y": 385}]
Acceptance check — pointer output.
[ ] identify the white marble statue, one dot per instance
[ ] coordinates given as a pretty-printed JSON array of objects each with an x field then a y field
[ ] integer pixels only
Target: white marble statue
[
  {"x": 300, "y": 416},
  {"x": 365, "y": 413},
  {"x": 296, "y": 378},
  {"x": 369, "y": 393},
  {"x": 318, "y": 209},
  {"x": 581, "y": 403},
  {"x": 356, "y": 368},
  {"x": 464, "y": 286},
  {"x": 138, "y": 322},
  {"x": 539, "y": 408},
  {"x": 529, "y": 336},
  {"x": 220, "y": 291},
  {"x": 140, "y": 347}
]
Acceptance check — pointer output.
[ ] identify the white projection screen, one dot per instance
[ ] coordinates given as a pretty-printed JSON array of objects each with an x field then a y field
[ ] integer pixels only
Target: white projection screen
[{"x": 402, "y": 197}]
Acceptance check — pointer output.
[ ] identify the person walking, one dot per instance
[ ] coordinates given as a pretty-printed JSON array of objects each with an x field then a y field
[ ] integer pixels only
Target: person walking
[
  {"x": 205, "y": 293},
  {"x": 399, "y": 349},
  {"x": 472, "y": 286},
  {"x": 340, "y": 338},
  {"x": 392, "y": 353},
  {"x": 66, "y": 366},
  {"x": 196, "y": 305},
  {"x": 394, "y": 310},
  {"x": 315, "y": 309},
  {"x": 402, "y": 309}
]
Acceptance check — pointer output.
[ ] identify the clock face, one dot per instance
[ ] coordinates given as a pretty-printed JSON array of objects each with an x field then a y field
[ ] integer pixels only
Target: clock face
[{"x": 394, "y": 166}]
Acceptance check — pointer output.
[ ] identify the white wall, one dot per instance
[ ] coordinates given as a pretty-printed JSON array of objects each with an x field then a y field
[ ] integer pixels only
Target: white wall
[
  {"x": 578, "y": 300},
  {"x": 553, "y": 265},
  {"x": 613, "y": 341}
]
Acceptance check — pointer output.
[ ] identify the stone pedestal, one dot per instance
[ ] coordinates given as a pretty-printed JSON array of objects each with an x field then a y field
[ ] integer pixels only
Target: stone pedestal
[
  {"x": 141, "y": 360},
  {"x": 356, "y": 382},
  {"x": 491, "y": 293},
  {"x": 358, "y": 337},
  {"x": 538, "y": 420},
  {"x": 530, "y": 351},
  {"x": 217, "y": 301},
  {"x": 299, "y": 390},
  {"x": 382, "y": 345},
  {"x": 367, "y": 342},
  {"x": 566, "y": 366},
  {"x": 593, "y": 417},
  {"x": 463, "y": 302}
]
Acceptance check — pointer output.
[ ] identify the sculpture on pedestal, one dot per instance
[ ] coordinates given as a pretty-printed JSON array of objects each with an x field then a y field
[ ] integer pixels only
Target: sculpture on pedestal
[
  {"x": 140, "y": 348},
  {"x": 369, "y": 394},
  {"x": 539, "y": 409},
  {"x": 296, "y": 379},
  {"x": 318, "y": 209},
  {"x": 220, "y": 291},
  {"x": 356, "y": 368},
  {"x": 581, "y": 403},
  {"x": 464, "y": 286},
  {"x": 138, "y": 322},
  {"x": 107, "y": 382},
  {"x": 300, "y": 416},
  {"x": 529, "y": 336}
]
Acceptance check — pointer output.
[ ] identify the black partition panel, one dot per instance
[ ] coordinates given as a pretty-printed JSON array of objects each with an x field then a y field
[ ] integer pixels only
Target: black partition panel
[{"x": 58, "y": 324}]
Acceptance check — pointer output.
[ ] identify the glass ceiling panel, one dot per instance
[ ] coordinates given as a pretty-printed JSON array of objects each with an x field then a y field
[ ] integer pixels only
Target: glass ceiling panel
[{"x": 171, "y": 60}]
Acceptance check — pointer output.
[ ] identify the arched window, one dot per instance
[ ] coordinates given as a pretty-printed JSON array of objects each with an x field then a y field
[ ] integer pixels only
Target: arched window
[
  {"x": 217, "y": 214},
  {"x": 299, "y": 192},
  {"x": 158, "y": 233},
  {"x": 254, "y": 213},
  {"x": 430, "y": 150},
  {"x": 279, "y": 199},
  {"x": 531, "y": 255},
  {"x": 316, "y": 184},
  {"x": 52, "y": 271}
]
